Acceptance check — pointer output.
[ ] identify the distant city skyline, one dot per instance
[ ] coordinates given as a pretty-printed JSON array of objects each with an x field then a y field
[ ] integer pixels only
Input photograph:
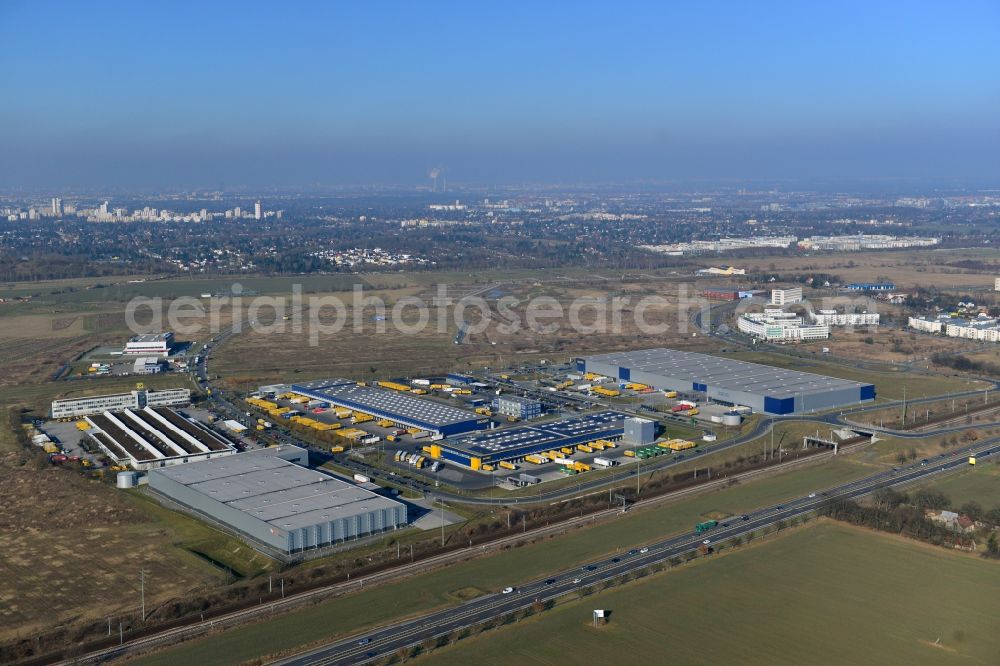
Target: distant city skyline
[{"x": 119, "y": 95}]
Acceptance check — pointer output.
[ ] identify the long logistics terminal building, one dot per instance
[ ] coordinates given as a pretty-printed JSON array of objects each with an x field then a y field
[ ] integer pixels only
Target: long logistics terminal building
[
  {"x": 510, "y": 444},
  {"x": 762, "y": 388},
  {"x": 403, "y": 408},
  {"x": 154, "y": 437},
  {"x": 268, "y": 496}
]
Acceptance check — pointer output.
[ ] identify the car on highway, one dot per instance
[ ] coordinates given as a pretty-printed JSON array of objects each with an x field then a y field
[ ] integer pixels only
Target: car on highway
[
  {"x": 812, "y": 495},
  {"x": 644, "y": 550},
  {"x": 616, "y": 560},
  {"x": 924, "y": 462},
  {"x": 707, "y": 541},
  {"x": 633, "y": 552},
  {"x": 591, "y": 567},
  {"x": 577, "y": 581},
  {"x": 507, "y": 590},
  {"x": 744, "y": 517},
  {"x": 364, "y": 641}
]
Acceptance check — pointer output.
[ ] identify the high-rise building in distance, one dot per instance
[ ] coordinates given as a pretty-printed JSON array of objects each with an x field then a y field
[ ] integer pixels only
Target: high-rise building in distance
[{"x": 258, "y": 211}]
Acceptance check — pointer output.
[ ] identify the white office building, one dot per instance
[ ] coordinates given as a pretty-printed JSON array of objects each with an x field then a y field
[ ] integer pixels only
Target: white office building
[
  {"x": 786, "y": 296},
  {"x": 139, "y": 399},
  {"x": 834, "y": 318},
  {"x": 774, "y": 325}
]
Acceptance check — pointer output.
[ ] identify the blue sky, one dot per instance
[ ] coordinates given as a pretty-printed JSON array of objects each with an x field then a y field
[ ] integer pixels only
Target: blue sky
[{"x": 178, "y": 93}]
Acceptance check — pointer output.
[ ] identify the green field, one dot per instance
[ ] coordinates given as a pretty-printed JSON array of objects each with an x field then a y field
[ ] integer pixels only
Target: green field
[
  {"x": 980, "y": 483},
  {"x": 445, "y": 587},
  {"x": 824, "y": 594}
]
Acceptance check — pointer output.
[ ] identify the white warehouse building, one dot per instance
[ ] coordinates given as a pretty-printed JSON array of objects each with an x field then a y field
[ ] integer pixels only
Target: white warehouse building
[
  {"x": 275, "y": 502},
  {"x": 155, "y": 344}
]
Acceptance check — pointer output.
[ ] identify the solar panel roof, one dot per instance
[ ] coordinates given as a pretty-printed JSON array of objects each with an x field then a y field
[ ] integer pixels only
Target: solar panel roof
[
  {"x": 553, "y": 434},
  {"x": 405, "y": 405}
]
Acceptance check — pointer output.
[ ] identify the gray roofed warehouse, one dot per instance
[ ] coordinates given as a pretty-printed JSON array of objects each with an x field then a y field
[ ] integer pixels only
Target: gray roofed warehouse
[
  {"x": 763, "y": 388},
  {"x": 278, "y": 503}
]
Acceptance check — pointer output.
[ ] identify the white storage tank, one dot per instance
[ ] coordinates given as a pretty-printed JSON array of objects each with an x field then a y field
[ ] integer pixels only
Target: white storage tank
[
  {"x": 126, "y": 479},
  {"x": 731, "y": 419}
]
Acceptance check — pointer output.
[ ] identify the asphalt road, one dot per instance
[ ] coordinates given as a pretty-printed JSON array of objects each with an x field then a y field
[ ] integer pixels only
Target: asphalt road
[{"x": 387, "y": 640}]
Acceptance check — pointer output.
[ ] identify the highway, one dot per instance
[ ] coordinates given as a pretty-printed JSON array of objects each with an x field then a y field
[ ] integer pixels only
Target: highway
[{"x": 372, "y": 645}]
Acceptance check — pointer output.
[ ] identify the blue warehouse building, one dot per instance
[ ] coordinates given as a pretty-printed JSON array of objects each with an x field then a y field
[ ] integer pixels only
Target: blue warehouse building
[
  {"x": 762, "y": 388},
  {"x": 517, "y": 442},
  {"x": 403, "y": 408}
]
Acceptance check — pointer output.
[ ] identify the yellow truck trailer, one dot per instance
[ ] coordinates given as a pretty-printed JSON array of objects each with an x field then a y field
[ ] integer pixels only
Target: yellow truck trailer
[
  {"x": 536, "y": 459},
  {"x": 395, "y": 386},
  {"x": 584, "y": 448},
  {"x": 384, "y": 423},
  {"x": 507, "y": 465}
]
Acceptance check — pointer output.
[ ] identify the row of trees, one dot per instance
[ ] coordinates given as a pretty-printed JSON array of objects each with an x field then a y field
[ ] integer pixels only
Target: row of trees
[{"x": 966, "y": 364}]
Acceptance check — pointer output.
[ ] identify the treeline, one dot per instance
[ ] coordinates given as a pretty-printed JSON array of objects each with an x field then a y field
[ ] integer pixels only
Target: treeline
[
  {"x": 898, "y": 513},
  {"x": 966, "y": 364}
]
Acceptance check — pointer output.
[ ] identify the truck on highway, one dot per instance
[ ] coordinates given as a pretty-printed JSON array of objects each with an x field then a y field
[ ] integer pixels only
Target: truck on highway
[
  {"x": 705, "y": 526},
  {"x": 361, "y": 478}
]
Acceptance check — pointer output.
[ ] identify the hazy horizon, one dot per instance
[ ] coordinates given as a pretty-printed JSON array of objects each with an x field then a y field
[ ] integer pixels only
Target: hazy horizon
[{"x": 145, "y": 95}]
